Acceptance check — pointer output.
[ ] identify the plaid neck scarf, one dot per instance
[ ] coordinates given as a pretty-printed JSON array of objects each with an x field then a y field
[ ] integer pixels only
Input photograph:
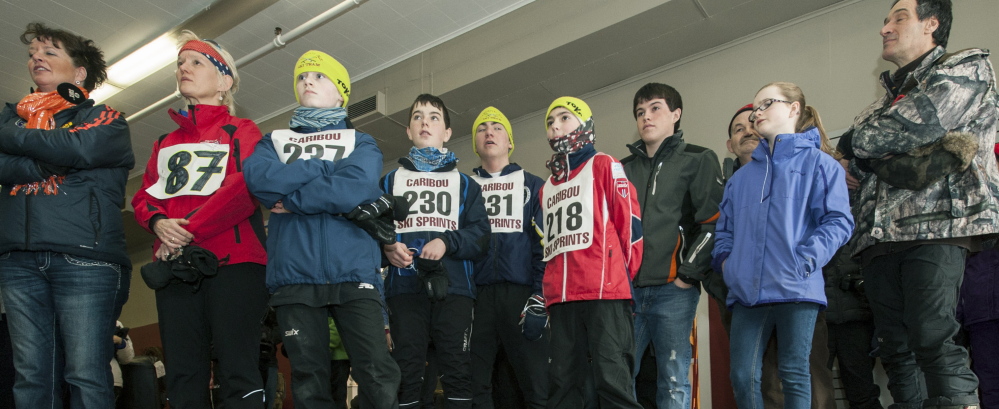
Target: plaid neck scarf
[{"x": 565, "y": 145}]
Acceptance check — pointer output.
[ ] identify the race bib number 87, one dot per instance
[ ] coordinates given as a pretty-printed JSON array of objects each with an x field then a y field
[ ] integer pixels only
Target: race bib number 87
[{"x": 194, "y": 169}]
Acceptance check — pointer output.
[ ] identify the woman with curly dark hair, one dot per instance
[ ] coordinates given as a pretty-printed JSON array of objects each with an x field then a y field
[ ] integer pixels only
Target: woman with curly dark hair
[{"x": 64, "y": 269}]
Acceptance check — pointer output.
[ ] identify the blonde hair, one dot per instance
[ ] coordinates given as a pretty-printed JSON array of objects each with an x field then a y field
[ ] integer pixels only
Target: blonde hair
[
  {"x": 228, "y": 98},
  {"x": 809, "y": 115}
]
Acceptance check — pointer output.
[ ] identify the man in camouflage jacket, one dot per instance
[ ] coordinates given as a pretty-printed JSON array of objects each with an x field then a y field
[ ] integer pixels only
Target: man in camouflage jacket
[{"x": 927, "y": 195}]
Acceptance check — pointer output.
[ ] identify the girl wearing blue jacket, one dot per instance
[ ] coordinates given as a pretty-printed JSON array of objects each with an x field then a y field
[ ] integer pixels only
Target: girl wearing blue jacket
[
  {"x": 783, "y": 216},
  {"x": 320, "y": 263}
]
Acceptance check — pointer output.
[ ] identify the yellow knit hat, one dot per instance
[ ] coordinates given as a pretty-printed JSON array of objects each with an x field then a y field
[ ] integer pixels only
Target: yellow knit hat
[
  {"x": 491, "y": 114},
  {"x": 574, "y": 105},
  {"x": 318, "y": 61}
]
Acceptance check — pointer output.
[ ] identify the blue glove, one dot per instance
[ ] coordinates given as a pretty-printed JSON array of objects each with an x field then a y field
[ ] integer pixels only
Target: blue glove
[{"x": 534, "y": 318}]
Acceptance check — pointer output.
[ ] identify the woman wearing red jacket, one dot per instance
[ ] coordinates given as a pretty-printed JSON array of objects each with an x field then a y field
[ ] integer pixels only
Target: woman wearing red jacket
[{"x": 193, "y": 193}]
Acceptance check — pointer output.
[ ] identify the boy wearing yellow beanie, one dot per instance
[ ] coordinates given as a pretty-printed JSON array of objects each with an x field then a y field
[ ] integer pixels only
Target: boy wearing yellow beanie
[
  {"x": 593, "y": 246},
  {"x": 321, "y": 262},
  {"x": 511, "y": 272}
]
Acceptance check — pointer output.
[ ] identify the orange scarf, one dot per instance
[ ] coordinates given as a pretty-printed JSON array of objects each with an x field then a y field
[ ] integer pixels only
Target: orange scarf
[{"x": 39, "y": 108}]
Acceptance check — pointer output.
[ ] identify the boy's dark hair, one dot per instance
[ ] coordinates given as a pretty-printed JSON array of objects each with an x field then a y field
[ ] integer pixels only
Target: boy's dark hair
[
  {"x": 655, "y": 90},
  {"x": 83, "y": 51},
  {"x": 942, "y": 10},
  {"x": 435, "y": 102}
]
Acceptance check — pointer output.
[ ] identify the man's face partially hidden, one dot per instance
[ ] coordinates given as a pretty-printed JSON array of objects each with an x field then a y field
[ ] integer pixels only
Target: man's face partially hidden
[{"x": 742, "y": 138}]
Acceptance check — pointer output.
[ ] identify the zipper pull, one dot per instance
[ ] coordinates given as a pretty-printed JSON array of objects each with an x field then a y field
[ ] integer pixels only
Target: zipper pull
[{"x": 655, "y": 178}]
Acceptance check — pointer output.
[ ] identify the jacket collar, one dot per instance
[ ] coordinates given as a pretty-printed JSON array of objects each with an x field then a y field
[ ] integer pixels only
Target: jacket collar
[
  {"x": 309, "y": 129},
  {"x": 407, "y": 163},
  {"x": 200, "y": 117},
  {"x": 788, "y": 145},
  {"x": 508, "y": 169},
  {"x": 10, "y": 110},
  {"x": 928, "y": 60},
  {"x": 670, "y": 144}
]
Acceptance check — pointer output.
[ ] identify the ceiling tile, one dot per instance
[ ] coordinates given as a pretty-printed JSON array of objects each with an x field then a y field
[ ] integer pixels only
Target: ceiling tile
[
  {"x": 407, "y": 34},
  {"x": 406, "y": 7},
  {"x": 382, "y": 46},
  {"x": 374, "y": 12},
  {"x": 431, "y": 20},
  {"x": 462, "y": 12}
]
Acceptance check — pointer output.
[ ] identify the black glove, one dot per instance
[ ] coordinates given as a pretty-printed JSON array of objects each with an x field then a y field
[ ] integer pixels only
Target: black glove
[
  {"x": 372, "y": 210},
  {"x": 392, "y": 207},
  {"x": 376, "y": 219},
  {"x": 534, "y": 317},
  {"x": 433, "y": 277},
  {"x": 382, "y": 229}
]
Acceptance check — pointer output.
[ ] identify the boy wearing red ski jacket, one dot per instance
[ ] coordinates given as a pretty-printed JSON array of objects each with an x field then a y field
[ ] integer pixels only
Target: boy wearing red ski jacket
[{"x": 593, "y": 246}]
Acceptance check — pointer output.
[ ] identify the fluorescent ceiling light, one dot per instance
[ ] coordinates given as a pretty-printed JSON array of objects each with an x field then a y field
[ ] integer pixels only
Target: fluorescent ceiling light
[
  {"x": 136, "y": 66},
  {"x": 141, "y": 63},
  {"x": 104, "y": 92}
]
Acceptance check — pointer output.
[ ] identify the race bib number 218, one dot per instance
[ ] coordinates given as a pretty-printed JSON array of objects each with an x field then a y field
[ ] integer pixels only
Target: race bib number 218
[{"x": 195, "y": 169}]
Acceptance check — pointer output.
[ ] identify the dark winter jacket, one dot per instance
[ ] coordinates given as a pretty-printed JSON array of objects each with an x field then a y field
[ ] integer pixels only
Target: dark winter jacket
[
  {"x": 679, "y": 190},
  {"x": 514, "y": 257},
  {"x": 315, "y": 243},
  {"x": 93, "y": 147},
  {"x": 465, "y": 245}
]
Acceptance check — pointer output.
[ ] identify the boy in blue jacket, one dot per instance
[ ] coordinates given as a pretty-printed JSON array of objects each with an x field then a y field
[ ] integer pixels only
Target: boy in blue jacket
[
  {"x": 512, "y": 271},
  {"x": 320, "y": 263},
  {"x": 430, "y": 290}
]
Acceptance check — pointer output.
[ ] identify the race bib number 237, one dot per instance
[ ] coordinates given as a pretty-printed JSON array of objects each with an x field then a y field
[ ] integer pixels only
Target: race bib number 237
[{"x": 327, "y": 145}]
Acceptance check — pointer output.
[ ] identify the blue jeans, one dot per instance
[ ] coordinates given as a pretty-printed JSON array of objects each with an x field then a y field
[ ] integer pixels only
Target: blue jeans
[
  {"x": 664, "y": 317},
  {"x": 751, "y": 329},
  {"x": 61, "y": 303}
]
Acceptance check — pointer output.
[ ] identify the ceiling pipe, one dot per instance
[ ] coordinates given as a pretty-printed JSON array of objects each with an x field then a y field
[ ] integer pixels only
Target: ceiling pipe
[{"x": 279, "y": 41}]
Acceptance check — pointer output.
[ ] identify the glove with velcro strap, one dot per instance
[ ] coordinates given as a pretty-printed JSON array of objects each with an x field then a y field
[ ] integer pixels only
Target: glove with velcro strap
[
  {"x": 433, "y": 278},
  {"x": 534, "y": 317}
]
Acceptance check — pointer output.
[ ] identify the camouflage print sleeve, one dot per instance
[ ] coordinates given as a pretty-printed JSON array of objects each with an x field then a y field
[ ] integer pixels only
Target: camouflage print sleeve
[{"x": 949, "y": 98}]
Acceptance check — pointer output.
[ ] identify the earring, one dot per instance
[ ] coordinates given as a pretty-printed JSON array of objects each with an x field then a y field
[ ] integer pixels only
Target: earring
[{"x": 78, "y": 83}]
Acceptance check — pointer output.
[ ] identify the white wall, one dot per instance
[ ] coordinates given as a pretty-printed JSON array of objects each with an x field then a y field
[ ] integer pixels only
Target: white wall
[{"x": 833, "y": 55}]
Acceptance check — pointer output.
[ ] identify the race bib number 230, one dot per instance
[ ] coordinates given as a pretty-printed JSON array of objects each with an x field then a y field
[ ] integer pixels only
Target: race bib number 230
[
  {"x": 194, "y": 169},
  {"x": 434, "y": 200}
]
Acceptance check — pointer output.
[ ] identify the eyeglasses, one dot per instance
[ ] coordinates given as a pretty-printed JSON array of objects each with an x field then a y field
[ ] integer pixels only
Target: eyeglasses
[{"x": 764, "y": 106}]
